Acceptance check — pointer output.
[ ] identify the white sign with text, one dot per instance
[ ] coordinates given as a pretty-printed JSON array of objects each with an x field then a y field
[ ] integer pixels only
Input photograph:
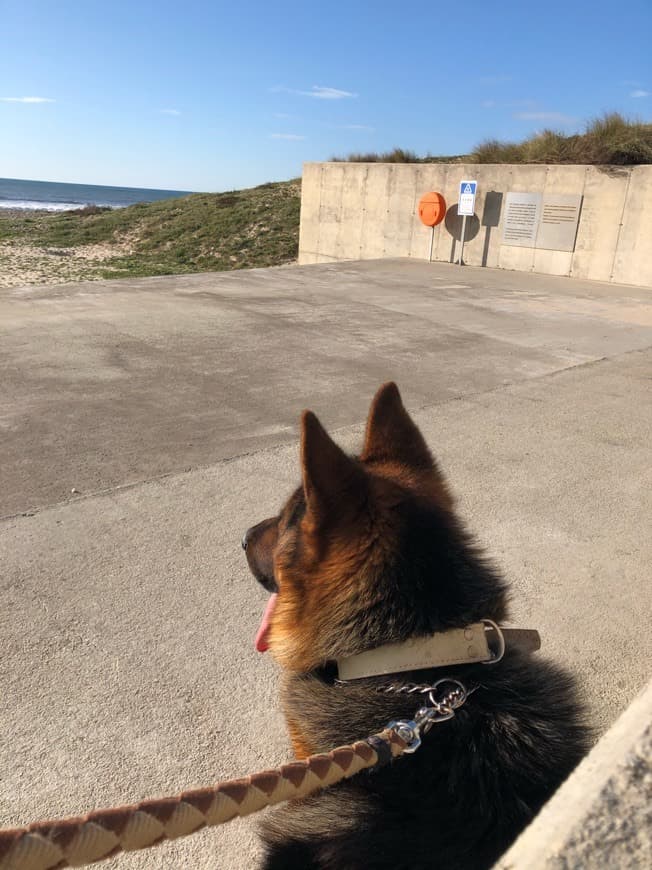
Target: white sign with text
[{"x": 466, "y": 202}]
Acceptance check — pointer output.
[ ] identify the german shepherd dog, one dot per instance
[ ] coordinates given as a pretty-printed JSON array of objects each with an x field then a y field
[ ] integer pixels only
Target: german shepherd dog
[{"x": 368, "y": 551}]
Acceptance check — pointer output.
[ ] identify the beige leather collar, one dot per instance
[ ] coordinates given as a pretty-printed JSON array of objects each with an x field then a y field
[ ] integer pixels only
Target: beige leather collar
[{"x": 457, "y": 646}]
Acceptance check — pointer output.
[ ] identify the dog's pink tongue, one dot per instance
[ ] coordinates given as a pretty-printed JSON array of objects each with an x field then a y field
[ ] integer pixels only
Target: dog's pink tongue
[{"x": 263, "y": 630}]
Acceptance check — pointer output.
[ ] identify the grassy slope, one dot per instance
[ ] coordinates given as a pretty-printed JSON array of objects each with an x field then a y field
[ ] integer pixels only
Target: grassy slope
[{"x": 201, "y": 232}]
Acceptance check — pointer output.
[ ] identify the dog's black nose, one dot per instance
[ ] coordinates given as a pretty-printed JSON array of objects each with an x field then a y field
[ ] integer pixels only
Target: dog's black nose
[{"x": 245, "y": 540}]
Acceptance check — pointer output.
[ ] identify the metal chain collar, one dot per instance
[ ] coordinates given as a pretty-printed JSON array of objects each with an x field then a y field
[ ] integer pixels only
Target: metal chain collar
[{"x": 440, "y": 709}]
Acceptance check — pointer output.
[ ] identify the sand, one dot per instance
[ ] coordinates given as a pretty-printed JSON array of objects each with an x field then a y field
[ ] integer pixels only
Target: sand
[
  {"x": 29, "y": 264},
  {"x": 22, "y": 264}
]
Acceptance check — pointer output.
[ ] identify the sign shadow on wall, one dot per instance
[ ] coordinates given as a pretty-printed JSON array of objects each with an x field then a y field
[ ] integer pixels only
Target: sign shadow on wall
[
  {"x": 493, "y": 203},
  {"x": 453, "y": 223}
]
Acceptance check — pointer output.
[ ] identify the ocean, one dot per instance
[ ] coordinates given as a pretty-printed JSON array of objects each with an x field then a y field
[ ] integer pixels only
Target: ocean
[{"x": 53, "y": 196}]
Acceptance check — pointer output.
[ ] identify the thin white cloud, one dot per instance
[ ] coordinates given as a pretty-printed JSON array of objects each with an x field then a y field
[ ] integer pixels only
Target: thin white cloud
[
  {"x": 174, "y": 112},
  {"x": 546, "y": 117},
  {"x": 290, "y": 137},
  {"x": 365, "y": 127},
  {"x": 639, "y": 92},
  {"x": 282, "y": 115},
  {"x": 317, "y": 92},
  {"x": 488, "y": 104},
  {"x": 26, "y": 100},
  {"x": 328, "y": 93}
]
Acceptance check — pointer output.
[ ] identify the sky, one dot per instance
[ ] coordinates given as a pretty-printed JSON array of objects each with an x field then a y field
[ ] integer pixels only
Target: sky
[{"x": 198, "y": 95}]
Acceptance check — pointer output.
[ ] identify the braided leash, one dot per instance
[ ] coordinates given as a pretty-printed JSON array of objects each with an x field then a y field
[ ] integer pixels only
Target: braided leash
[{"x": 102, "y": 833}]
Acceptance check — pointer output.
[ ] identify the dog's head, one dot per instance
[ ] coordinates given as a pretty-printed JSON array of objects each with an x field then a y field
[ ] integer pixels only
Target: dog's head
[{"x": 367, "y": 550}]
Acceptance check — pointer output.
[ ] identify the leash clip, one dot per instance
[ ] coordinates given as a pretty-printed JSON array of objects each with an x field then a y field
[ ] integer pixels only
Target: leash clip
[{"x": 411, "y": 730}]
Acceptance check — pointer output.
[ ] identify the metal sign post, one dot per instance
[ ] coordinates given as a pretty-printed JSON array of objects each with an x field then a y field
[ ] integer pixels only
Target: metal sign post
[
  {"x": 466, "y": 207},
  {"x": 462, "y": 241}
]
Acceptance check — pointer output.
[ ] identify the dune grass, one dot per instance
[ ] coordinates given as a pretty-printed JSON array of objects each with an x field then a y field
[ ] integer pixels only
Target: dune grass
[
  {"x": 396, "y": 155},
  {"x": 609, "y": 140}
]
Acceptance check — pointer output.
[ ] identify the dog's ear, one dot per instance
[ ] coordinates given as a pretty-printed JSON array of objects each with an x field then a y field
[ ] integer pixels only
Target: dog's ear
[
  {"x": 391, "y": 433},
  {"x": 334, "y": 484}
]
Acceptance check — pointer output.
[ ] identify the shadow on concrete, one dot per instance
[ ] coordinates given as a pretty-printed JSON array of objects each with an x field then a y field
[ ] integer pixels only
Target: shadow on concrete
[
  {"x": 453, "y": 223},
  {"x": 493, "y": 203}
]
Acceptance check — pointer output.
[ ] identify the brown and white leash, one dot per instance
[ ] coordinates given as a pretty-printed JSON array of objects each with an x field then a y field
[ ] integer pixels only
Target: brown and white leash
[
  {"x": 101, "y": 834},
  {"x": 81, "y": 840},
  {"x": 77, "y": 841}
]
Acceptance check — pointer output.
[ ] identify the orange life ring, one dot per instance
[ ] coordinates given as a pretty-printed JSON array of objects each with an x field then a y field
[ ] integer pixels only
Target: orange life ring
[{"x": 432, "y": 209}]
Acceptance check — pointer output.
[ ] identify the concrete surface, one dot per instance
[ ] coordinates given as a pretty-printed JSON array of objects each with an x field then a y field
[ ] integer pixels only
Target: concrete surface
[
  {"x": 602, "y": 815},
  {"x": 369, "y": 210},
  {"x": 171, "y": 405}
]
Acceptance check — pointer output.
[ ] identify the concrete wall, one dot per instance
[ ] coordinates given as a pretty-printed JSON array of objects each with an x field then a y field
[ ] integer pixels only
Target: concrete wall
[
  {"x": 601, "y": 817},
  {"x": 352, "y": 211}
]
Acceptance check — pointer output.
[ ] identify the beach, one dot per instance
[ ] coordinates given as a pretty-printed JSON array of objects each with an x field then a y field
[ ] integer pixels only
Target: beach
[
  {"x": 29, "y": 256},
  {"x": 216, "y": 232}
]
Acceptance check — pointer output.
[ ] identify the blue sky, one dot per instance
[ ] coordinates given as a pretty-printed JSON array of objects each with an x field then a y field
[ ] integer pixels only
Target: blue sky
[{"x": 199, "y": 95}]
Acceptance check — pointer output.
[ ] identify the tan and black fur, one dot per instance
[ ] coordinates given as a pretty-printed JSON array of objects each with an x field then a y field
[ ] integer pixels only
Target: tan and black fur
[{"x": 367, "y": 551}]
